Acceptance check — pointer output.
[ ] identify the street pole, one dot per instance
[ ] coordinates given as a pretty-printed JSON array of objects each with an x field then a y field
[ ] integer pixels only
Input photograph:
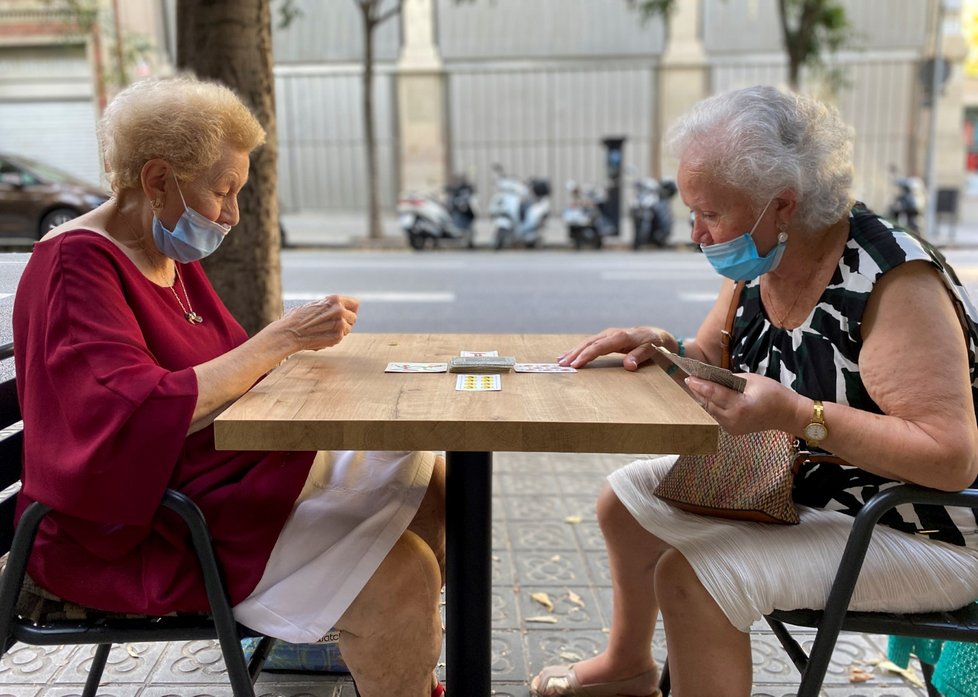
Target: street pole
[{"x": 930, "y": 217}]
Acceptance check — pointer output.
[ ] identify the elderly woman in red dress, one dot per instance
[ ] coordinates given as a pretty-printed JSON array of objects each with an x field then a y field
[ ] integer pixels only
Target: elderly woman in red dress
[{"x": 124, "y": 357}]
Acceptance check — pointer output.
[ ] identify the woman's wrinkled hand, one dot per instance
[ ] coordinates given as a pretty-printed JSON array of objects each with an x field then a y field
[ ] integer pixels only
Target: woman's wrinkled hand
[
  {"x": 636, "y": 343},
  {"x": 764, "y": 404},
  {"x": 321, "y": 323}
]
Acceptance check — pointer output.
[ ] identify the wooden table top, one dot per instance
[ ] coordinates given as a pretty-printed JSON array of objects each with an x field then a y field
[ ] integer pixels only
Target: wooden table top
[{"x": 340, "y": 398}]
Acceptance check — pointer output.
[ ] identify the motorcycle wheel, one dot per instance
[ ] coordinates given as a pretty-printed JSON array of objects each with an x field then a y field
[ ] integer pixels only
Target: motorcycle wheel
[
  {"x": 416, "y": 240},
  {"x": 641, "y": 233},
  {"x": 575, "y": 235},
  {"x": 501, "y": 235}
]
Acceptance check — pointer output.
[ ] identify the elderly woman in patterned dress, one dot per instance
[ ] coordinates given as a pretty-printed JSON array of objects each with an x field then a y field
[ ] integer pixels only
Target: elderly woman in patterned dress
[{"x": 854, "y": 336}]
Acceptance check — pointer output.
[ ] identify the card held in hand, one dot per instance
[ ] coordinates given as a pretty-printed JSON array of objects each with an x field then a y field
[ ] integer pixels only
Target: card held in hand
[
  {"x": 698, "y": 369},
  {"x": 481, "y": 364}
]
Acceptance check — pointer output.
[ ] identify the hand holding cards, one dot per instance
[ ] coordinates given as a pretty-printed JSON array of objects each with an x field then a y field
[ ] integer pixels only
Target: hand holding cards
[{"x": 698, "y": 369}]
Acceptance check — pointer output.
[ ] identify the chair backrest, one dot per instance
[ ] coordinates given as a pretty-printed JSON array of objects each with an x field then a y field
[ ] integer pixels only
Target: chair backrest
[
  {"x": 105, "y": 629},
  {"x": 11, "y": 451}
]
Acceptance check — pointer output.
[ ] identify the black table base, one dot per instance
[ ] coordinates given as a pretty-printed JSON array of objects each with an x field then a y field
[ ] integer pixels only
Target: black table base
[{"x": 468, "y": 585}]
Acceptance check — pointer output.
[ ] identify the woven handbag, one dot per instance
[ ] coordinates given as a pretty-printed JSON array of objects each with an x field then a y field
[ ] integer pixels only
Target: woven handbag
[{"x": 749, "y": 478}]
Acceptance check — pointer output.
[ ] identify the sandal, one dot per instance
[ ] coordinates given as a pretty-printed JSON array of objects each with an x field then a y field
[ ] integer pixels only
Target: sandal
[{"x": 560, "y": 681}]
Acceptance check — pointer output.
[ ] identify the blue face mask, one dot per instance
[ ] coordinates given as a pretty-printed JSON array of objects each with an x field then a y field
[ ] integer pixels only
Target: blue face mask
[
  {"x": 193, "y": 238},
  {"x": 738, "y": 258}
]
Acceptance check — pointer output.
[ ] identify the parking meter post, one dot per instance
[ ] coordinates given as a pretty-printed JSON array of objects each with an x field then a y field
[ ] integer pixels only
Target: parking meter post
[{"x": 614, "y": 156}]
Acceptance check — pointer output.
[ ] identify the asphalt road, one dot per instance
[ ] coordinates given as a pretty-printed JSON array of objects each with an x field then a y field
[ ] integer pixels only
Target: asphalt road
[
  {"x": 488, "y": 292},
  {"x": 508, "y": 292}
]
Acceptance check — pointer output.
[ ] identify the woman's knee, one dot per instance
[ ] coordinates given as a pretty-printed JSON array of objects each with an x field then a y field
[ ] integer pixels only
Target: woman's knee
[
  {"x": 676, "y": 583},
  {"x": 429, "y": 521},
  {"x": 621, "y": 529},
  {"x": 404, "y": 589},
  {"x": 610, "y": 510},
  {"x": 412, "y": 569}
]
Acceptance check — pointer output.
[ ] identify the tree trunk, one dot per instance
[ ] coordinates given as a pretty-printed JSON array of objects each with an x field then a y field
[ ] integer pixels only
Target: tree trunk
[
  {"x": 791, "y": 45},
  {"x": 370, "y": 141},
  {"x": 230, "y": 41}
]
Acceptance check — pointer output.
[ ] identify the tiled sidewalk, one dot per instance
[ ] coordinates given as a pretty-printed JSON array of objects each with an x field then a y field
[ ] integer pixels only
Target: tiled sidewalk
[{"x": 538, "y": 547}]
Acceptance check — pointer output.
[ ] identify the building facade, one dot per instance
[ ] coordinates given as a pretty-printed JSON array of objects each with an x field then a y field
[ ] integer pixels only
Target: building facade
[{"x": 534, "y": 87}]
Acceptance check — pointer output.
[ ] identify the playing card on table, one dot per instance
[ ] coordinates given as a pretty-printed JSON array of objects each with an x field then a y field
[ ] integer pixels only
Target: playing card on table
[
  {"x": 543, "y": 368},
  {"x": 478, "y": 353},
  {"x": 416, "y": 368},
  {"x": 478, "y": 383}
]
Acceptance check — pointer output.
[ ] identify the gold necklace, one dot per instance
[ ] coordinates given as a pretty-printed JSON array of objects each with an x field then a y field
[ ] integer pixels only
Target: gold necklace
[
  {"x": 782, "y": 317},
  {"x": 816, "y": 265},
  {"x": 188, "y": 315}
]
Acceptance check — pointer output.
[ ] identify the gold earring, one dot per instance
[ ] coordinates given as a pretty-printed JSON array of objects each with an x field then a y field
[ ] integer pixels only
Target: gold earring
[{"x": 156, "y": 203}]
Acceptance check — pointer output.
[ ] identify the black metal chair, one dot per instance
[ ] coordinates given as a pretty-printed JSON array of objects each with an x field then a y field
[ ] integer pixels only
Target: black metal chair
[
  {"x": 99, "y": 628},
  {"x": 958, "y": 625}
]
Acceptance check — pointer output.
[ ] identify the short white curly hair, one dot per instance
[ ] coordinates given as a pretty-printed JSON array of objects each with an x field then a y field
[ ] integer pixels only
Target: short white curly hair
[
  {"x": 181, "y": 119},
  {"x": 761, "y": 140}
]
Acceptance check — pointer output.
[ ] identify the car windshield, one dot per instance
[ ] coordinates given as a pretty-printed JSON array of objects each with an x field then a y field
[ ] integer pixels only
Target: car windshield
[{"x": 46, "y": 173}]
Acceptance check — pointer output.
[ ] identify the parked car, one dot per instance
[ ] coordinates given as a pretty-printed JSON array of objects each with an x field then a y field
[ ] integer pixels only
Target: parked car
[{"x": 35, "y": 197}]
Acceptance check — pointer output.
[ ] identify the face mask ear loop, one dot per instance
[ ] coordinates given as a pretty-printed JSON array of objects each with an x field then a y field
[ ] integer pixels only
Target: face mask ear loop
[
  {"x": 185, "y": 206},
  {"x": 756, "y": 223}
]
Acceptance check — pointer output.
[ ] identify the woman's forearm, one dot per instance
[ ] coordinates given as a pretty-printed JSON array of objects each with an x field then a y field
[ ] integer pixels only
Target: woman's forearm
[{"x": 222, "y": 380}]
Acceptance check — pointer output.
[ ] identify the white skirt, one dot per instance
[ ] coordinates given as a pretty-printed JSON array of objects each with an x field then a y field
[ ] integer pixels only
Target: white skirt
[
  {"x": 752, "y": 568},
  {"x": 353, "y": 508}
]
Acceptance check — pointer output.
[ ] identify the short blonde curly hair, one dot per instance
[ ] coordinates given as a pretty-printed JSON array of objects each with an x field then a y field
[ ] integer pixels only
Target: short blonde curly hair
[{"x": 181, "y": 119}]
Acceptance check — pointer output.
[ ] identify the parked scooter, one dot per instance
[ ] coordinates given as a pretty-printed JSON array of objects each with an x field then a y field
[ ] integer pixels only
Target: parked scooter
[
  {"x": 426, "y": 218},
  {"x": 908, "y": 201},
  {"x": 518, "y": 209},
  {"x": 586, "y": 216},
  {"x": 652, "y": 212}
]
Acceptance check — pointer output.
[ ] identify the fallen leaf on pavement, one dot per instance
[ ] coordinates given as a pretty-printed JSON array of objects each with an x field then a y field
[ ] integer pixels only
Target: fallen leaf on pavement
[
  {"x": 907, "y": 673},
  {"x": 547, "y": 619},
  {"x": 543, "y": 599}
]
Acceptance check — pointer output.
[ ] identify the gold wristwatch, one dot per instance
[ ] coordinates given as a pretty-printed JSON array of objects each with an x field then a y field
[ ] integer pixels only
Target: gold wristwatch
[{"x": 816, "y": 431}]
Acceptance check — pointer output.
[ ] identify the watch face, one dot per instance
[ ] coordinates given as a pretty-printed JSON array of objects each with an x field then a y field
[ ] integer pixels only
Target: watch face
[{"x": 815, "y": 432}]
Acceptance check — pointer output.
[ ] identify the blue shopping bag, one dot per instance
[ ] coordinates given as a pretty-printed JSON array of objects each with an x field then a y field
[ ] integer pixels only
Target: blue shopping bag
[{"x": 323, "y": 657}]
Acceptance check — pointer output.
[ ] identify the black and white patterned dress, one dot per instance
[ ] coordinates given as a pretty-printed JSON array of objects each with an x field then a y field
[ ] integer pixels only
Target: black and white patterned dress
[
  {"x": 820, "y": 359},
  {"x": 749, "y": 568}
]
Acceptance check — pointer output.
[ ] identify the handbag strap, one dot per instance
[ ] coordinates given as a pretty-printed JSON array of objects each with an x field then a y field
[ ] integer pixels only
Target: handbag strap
[{"x": 726, "y": 334}]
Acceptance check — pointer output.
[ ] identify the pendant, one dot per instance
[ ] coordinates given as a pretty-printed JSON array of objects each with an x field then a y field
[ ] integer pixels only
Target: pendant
[{"x": 193, "y": 317}]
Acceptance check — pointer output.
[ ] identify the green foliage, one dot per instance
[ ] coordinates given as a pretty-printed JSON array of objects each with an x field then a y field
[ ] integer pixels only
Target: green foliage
[
  {"x": 82, "y": 13},
  {"x": 647, "y": 9},
  {"x": 812, "y": 28},
  {"x": 82, "y": 18},
  {"x": 288, "y": 10}
]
